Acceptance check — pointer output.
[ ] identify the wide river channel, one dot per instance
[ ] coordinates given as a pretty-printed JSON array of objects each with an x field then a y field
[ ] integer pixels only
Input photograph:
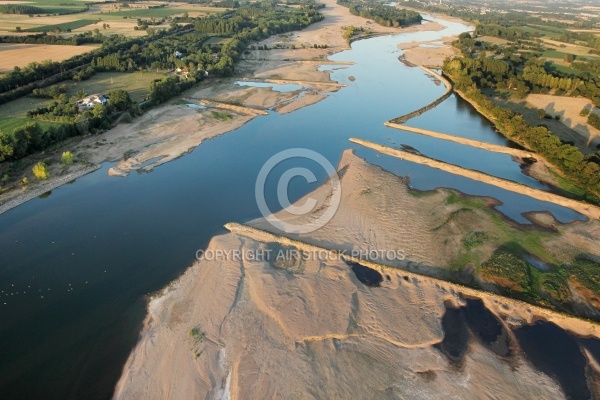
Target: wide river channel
[{"x": 76, "y": 266}]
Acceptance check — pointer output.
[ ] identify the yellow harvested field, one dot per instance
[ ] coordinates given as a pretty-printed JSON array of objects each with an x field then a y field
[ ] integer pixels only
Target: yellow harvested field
[
  {"x": 568, "y": 109},
  {"x": 20, "y": 55},
  {"x": 594, "y": 31},
  {"x": 124, "y": 27},
  {"x": 9, "y": 23}
]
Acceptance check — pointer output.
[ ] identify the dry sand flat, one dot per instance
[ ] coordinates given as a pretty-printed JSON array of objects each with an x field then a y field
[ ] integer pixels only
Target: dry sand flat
[
  {"x": 431, "y": 54},
  {"x": 319, "y": 334},
  {"x": 164, "y": 134},
  {"x": 311, "y": 329},
  {"x": 500, "y": 304}
]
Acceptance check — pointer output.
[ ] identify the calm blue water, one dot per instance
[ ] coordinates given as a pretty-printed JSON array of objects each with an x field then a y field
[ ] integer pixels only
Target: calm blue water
[
  {"x": 278, "y": 87},
  {"x": 75, "y": 266}
]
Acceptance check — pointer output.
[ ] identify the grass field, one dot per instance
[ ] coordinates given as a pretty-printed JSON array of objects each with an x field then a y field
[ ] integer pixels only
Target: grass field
[
  {"x": 560, "y": 66},
  {"x": 16, "y": 54},
  {"x": 217, "y": 40},
  {"x": 10, "y": 124},
  {"x": 12, "y": 114},
  {"x": 554, "y": 54},
  {"x": 64, "y": 26},
  {"x": 17, "y": 108},
  {"x": 553, "y": 33},
  {"x": 136, "y": 83}
]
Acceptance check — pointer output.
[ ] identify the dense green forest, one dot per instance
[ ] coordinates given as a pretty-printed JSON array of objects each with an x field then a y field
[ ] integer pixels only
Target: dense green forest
[
  {"x": 156, "y": 51},
  {"x": 518, "y": 67},
  {"x": 382, "y": 14}
]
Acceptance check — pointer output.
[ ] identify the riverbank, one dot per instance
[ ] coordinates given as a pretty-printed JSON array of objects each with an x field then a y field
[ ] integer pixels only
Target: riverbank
[
  {"x": 171, "y": 130},
  {"x": 271, "y": 330},
  {"x": 542, "y": 170},
  {"x": 15, "y": 198}
]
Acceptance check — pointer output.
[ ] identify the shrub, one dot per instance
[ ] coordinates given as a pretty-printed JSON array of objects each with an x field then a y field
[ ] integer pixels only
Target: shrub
[
  {"x": 594, "y": 120},
  {"x": 40, "y": 171},
  {"x": 126, "y": 118},
  {"x": 67, "y": 158}
]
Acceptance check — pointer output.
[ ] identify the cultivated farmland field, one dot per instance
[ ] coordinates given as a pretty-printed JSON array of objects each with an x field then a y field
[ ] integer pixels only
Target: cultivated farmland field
[
  {"x": 63, "y": 26},
  {"x": 149, "y": 12},
  {"x": 575, "y": 49},
  {"x": 16, "y": 54},
  {"x": 121, "y": 20},
  {"x": 52, "y": 6}
]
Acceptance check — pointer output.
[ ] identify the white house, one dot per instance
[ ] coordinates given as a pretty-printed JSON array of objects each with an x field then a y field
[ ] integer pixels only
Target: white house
[{"x": 87, "y": 103}]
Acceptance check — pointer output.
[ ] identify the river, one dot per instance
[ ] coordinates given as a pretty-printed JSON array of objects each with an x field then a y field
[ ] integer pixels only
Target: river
[{"x": 75, "y": 266}]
